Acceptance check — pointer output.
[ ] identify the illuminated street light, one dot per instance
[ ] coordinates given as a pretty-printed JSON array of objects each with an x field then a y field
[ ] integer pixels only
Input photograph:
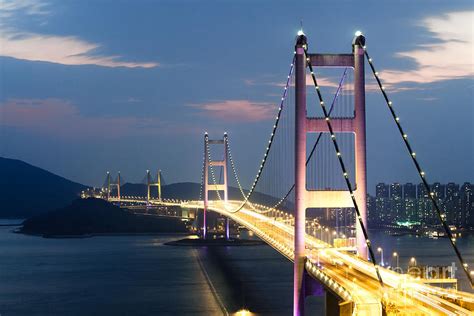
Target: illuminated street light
[
  {"x": 395, "y": 254},
  {"x": 379, "y": 249},
  {"x": 413, "y": 261}
]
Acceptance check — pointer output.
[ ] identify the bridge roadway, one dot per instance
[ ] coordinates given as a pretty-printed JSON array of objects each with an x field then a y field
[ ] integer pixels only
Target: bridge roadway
[{"x": 347, "y": 276}]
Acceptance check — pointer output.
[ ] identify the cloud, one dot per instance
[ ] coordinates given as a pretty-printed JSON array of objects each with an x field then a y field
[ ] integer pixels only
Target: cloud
[
  {"x": 61, "y": 119},
  {"x": 237, "y": 110},
  {"x": 449, "y": 56},
  {"x": 8, "y": 8},
  {"x": 65, "y": 50}
]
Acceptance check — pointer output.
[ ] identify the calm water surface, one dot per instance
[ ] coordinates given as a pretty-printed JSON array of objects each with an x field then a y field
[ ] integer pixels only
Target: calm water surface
[{"x": 138, "y": 275}]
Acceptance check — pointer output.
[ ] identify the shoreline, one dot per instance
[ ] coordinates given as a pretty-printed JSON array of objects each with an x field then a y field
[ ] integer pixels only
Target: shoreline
[{"x": 82, "y": 236}]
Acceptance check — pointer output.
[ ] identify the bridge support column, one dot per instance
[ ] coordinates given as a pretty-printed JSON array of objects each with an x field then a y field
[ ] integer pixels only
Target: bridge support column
[
  {"x": 148, "y": 186},
  {"x": 300, "y": 177},
  {"x": 227, "y": 231},
  {"x": 360, "y": 146},
  {"x": 158, "y": 184},
  {"x": 108, "y": 186},
  {"x": 118, "y": 187},
  {"x": 205, "y": 189}
]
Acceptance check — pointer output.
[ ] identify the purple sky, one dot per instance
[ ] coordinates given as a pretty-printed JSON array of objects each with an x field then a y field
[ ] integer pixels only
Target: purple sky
[{"x": 87, "y": 87}]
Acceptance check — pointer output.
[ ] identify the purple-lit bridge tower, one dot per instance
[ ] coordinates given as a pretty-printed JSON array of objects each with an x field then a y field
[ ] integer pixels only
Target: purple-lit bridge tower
[
  {"x": 305, "y": 198},
  {"x": 214, "y": 186}
]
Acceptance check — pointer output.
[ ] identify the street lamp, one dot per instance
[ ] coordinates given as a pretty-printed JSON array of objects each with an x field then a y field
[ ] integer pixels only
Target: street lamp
[
  {"x": 413, "y": 261},
  {"x": 395, "y": 254},
  {"x": 379, "y": 249}
]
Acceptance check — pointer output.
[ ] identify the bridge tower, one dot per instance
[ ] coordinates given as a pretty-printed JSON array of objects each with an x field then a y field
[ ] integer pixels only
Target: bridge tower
[
  {"x": 149, "y": 184},
  {"x": 303, "y": 124},
  {"x": 214, "y": 186},
  {"x": 110, "y": 184}
]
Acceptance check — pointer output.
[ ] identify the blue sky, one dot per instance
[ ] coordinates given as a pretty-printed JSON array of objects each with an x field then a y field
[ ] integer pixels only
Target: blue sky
[{"x": 91, "y": 86}]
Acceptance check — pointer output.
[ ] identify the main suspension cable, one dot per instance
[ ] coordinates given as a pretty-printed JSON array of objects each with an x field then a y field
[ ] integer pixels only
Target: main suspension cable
[
  {"x": 343, "y": 167},
  {"x": 270, "y": 142},
  {"x": 421, "y": 173},
  {"x": 234, "y": 169}
]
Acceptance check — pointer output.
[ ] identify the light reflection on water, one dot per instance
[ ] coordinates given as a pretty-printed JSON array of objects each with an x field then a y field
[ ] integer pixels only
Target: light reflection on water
[{"x": 127, "y": 275}]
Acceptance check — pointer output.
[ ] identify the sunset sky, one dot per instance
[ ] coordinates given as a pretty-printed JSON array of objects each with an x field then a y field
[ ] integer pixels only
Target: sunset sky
[{"x": 91, "y": 86}]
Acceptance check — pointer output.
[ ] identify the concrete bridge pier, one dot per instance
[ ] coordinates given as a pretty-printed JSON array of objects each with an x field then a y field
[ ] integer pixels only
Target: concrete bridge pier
[{"x": 333, "y": 305}]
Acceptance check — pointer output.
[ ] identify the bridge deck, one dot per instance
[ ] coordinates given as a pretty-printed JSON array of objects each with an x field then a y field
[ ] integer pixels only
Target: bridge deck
[{"x": 348, "y": 276}]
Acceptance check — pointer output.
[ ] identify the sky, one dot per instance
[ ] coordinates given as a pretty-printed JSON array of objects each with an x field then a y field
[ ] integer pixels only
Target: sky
[{"x": 92, "y": 86}]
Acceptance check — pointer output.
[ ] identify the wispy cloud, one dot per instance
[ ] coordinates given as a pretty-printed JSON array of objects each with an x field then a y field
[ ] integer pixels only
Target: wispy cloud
[
  {"x": 449, "y": 56},
  {"x": 237, "y": 110},
  {"x": 30, "y": 7},
  {"x": 66, "y": 50},
  {"x": 61, "y": 119}
]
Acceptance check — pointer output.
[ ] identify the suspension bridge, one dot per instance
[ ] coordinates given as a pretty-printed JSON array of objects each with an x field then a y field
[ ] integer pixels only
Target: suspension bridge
[{"x": 316, "y": 159}]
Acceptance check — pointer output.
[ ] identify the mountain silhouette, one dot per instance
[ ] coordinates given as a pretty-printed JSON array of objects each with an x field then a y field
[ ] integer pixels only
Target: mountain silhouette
[{"x": 27, "y": 190}]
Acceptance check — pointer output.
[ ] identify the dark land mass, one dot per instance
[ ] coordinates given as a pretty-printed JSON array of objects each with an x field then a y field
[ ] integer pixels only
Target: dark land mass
[
  {"x": 28, "y": 190},
  {"x": 95, "y": 216}
]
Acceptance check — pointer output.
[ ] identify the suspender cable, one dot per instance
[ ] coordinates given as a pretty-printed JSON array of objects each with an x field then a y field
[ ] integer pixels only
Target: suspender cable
[
  {"x": 338, "y": 91},
  {"x": 421, "y": 173},
  {"x": 343, "y": 167},
  {"x": 270, "y": 142}
]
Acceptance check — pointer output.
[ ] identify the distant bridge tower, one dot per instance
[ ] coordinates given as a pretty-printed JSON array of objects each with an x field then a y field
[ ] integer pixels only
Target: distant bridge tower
[
  {"x": 149, "y": 184},
  {"x": 110, "y": 184},
  {"x": 213, "y": 186},
  {"x": 326, "y": 199}
]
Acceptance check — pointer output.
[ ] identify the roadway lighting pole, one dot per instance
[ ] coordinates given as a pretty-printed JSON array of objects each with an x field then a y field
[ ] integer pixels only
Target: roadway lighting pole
[
  {"x": 379, "y": 249},
  {"x": 300, "y": 175},
  {"x": 395, "y": 254}
]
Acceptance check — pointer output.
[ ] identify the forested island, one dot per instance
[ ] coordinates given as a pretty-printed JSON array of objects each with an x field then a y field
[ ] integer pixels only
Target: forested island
[{"x": 86, "y": 217}]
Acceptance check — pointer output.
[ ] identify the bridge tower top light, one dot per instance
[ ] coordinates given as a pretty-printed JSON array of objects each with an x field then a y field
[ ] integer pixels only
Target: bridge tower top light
[{"x": 359, "y": 39}]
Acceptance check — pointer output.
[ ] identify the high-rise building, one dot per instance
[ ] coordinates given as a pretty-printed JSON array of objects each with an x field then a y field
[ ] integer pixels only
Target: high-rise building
[
  {"x": 409, "y": 202},
  {"x": 453, "y": 204},
  {"x": 371, "y": 211},
  {"x": 409, "y": 191},
  {"x": 424, "y": 206},
  {"x": 382, "y": 203},
  {"x": 467, "y": 204},
  {"x": 439, "y": 190},
  {"x": 396, "y": 202}
]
